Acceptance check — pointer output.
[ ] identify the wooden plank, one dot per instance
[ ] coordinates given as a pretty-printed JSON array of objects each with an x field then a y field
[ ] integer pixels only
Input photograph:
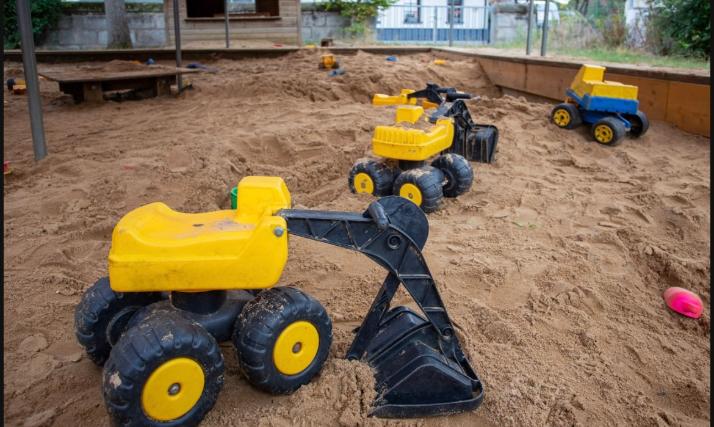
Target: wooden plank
[
  {"x": 688, "y": 107},
  {"x": 510, "y": 75},
  {"x": 208, "y": 26},
  {"x": 80, "y": 76},
  {"x": 652, "y": 93},
  {"x": 683, "y": 75},
  {"x": 548, "y": 81}
]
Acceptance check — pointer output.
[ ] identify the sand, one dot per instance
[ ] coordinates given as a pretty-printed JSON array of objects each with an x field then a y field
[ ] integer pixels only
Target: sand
[{"x": 552, "y": 266}]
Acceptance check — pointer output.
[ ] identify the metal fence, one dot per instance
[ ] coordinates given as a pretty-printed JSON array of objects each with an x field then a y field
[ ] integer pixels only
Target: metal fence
[{"x": 431, "y": 24}]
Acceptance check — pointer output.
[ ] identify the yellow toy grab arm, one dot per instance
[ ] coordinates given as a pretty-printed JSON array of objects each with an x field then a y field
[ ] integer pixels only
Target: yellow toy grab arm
[{"x": 401, "y": 99}]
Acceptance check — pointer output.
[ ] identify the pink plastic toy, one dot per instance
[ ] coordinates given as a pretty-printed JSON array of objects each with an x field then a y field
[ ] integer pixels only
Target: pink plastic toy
[{"x": 684, "y": 302}]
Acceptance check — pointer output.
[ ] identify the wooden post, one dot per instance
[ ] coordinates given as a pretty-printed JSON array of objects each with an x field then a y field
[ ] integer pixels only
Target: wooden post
[
  {"x": 92, "y": 92},
  {"x": 163, "y": 86}
]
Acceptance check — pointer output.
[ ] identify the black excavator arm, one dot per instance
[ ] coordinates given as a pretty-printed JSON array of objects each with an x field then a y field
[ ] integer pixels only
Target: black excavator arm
[{"x": 421, "y": 368}]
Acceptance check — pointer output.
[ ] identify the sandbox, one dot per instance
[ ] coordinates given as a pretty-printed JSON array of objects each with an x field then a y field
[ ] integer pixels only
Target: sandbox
[{"x": 552, "y": 266}]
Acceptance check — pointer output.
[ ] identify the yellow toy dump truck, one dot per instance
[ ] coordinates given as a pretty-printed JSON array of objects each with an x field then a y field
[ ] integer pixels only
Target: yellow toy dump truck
[
  {"x": 611, "y": 108},
  {"x": 181, "y": 283},
  {"x": 453, "y": 138}
]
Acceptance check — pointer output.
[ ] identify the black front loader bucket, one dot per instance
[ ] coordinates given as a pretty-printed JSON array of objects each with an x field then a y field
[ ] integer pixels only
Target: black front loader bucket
[
  {"x": 414, "y": 378},
  {"x": 420, "y": 367},
  {"x": 481, "y": 144}
]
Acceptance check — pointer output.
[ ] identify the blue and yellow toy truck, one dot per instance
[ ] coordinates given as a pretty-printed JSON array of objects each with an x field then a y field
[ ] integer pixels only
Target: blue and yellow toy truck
[{"x": 611, "y": 108}]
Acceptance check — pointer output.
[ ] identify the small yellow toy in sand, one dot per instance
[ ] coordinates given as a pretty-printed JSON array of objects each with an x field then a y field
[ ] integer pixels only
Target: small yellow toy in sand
[
  {"x": 440, "y": 62},
  {"x": 17, "y": 87},
  {"x": 328, "y": 62}
]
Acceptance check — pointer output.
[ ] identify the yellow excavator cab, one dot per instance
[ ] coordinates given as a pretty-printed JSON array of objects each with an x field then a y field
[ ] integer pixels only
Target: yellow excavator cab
[
  {"x": 155, "y": 248},
  {"x": 590, "y": 80},
  {"x": 399, "y": 143}
]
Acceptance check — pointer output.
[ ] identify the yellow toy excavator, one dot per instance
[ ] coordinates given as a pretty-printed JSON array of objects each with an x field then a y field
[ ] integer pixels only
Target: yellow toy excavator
[
  {"x": 453, "y": 138},
  {"x": 181, "y": 283}
]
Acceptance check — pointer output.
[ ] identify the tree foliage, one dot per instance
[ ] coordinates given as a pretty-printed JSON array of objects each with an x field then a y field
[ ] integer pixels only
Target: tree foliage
[
  {"x": 680, "y": 27},
  {"x": 45, "y": 14},
  {"x": 360, "y": 11}
]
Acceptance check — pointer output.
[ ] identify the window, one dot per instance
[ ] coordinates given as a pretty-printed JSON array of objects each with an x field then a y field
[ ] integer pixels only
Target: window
[
  {"x": 458, "y": 11},
  {"x": 412, "y": 13},
  {"x": 241, "y": 6},
  {"x": 236, "y": 8}
]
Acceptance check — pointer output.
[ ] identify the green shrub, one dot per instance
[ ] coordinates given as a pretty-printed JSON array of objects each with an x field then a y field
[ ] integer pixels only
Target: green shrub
[
  {"x": 45, "y": 14},
  {"x": 680, "y": 27},
  {"x": 608, "y": 17},
  {"x": 361, "y": 12}
]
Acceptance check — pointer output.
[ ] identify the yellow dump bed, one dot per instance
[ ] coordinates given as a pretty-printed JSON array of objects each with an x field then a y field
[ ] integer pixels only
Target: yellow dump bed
[
  {"x": 155, "y": 248},
  {"x": 399, "y": 143},
  {"x": 590, "y": 80}
]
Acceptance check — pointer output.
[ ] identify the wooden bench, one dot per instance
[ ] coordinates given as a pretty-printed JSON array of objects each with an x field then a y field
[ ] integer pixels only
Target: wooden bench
[{"x": 90, "y": 85}]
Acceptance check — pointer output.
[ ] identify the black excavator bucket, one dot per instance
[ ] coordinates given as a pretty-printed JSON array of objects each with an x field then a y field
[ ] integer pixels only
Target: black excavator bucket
[
  {"x": 420, "y": 368},
  {"x": 414, "y": 378}
]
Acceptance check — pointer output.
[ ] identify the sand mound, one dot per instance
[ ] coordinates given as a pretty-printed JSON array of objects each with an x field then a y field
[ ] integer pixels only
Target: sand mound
[{"x": 552, "y": 266}]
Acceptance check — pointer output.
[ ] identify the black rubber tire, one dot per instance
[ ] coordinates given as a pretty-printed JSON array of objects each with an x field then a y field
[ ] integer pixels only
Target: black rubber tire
[
  {"x": 458, "y": 173},
  {"x": 258, "y": 327},
  {"x": 615, "y": 125},
  {"x": 639, "y": 124},
  {"x": 102, "y": 315},
  {"x": 161, "y": 337},
  {"x": 382, "y": 176},
  {"x": 575, "y": 119},
  {"x": 429, "y": 180}
]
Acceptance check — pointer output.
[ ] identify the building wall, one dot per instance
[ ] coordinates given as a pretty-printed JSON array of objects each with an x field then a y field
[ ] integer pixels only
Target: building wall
[
  {"x": 89, "y": 31},
  {"x": 432, "y": 14},
  {"x": 283, "y": 29}
]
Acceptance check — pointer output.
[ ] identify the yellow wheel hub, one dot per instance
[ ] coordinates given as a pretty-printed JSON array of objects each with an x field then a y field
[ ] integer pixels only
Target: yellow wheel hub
[
  {"x": 173, "y": 389},
  {"x": 603, "y": 134},
  {"x": 364, "y": 183},
  {"x": 561, "y": 117},
  {"x": 296, "y": 347},
  {"x": 411, "y": 192}
]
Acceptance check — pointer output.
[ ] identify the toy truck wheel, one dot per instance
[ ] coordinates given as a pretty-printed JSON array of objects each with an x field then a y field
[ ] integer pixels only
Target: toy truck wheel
[
  {"x": 457, "y": 172},
  {"x": 167, "y": 371},
  {"x": 566, "y": 116},
  {"x": 372, "y": 177},
  {"x": 282, "y": 339},
  {"x": 422, "y": 186},
  {"x": 102, "y": 316},
  {"x": 639, "y": 124},
  {"x": 608, "y": 131}
]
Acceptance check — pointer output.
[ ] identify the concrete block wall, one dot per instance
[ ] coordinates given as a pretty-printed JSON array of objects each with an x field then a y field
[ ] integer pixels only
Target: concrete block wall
[
  {"x": 317, "y": 25},
  {"x": 89, "y": 31}
]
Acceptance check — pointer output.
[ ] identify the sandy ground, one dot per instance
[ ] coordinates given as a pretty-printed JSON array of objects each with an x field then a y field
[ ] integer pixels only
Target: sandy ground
[{"x": 552, "y": 266}]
